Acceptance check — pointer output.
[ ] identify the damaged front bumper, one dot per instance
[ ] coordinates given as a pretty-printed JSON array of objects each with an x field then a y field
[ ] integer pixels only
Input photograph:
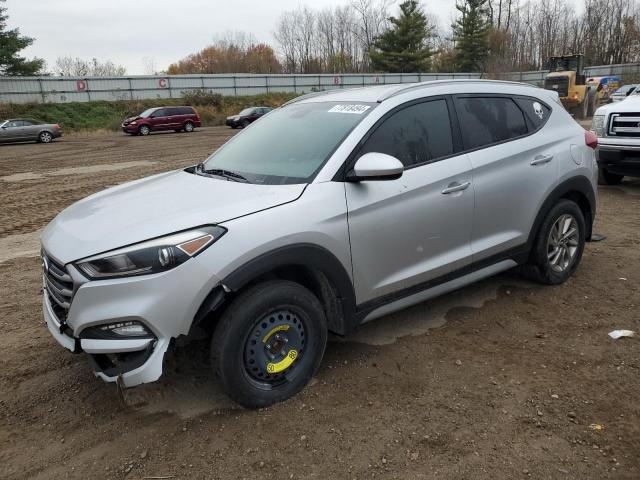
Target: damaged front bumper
[{"x": 135, "y": 360}]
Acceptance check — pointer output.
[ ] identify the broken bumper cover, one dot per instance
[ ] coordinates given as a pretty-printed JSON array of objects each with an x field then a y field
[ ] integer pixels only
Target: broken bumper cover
[{"x": 136, "y": 360}]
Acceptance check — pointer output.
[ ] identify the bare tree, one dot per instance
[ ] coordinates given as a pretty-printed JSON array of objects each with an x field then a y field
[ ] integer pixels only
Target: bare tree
[{"x": 77, "y": 67}]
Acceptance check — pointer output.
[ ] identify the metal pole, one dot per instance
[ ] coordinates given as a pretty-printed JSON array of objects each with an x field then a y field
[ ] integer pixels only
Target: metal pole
[
  {"x": 266, "y": 83},
  {"x": 130, "y": 88},
  {"x": 44, "y": 99},
  {"x": 88, "y": 89},
  {"x": 235, "y": 87},
  {"x": 169, "y": 87}
]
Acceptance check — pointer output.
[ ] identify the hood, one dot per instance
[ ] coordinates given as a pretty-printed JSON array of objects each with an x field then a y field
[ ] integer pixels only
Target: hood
[
  {"x": 131, "y": 119},
  {"x": 152, "y": 207},
  {"x": 629, "y": 104}
]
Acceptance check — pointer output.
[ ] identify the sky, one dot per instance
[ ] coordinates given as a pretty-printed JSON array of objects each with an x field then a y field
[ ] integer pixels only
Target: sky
[{"x": 132, "y": 32}]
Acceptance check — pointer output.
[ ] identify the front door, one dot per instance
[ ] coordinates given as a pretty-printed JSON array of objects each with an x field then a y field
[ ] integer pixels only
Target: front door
[
  {"x": 413, "y": 230},
  {"x": 159, "y": 120}
]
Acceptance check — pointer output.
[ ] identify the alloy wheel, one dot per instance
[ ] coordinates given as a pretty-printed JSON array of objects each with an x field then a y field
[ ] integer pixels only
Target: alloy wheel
[{"x": 562, "y": 243}]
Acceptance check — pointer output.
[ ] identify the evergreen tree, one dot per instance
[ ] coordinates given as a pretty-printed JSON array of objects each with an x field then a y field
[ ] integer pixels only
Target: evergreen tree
[
  {"x": 404, "y": 47},
  {"x": 471, "y": 35},
  {"x": 11, "y": 42}
]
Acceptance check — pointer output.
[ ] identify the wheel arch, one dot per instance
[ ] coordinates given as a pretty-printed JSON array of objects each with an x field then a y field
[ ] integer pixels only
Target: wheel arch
[
  {"x": 577, "y": 189},
  {"x": 310, "y": 265}
]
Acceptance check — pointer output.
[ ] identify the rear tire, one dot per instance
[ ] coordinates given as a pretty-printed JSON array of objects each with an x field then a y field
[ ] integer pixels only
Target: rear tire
[
  {"x": 608, "y": 178},
  {"x": 45, "y": 137},
  {"x": 559, "y": 245},
  {"x": 189, "y": 127},
  {"x": 580, "y": 112},
  {"x": 252, "y": 345}
]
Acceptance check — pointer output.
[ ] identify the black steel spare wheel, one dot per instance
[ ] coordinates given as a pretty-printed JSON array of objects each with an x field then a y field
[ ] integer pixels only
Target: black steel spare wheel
[
  {"x": 268, "y": 342},
  {"x": 275, "y": 348}
]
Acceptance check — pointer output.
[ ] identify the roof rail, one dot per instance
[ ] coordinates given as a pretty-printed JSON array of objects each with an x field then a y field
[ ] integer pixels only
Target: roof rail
[
  {"x": 324, "y": 92},
  {"x": 416, "y": 86},
  {"x": 305, "y": 96}
]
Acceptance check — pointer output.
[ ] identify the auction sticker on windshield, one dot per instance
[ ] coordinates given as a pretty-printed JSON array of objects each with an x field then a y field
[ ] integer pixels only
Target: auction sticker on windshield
[{"x": 357, "y": 109}]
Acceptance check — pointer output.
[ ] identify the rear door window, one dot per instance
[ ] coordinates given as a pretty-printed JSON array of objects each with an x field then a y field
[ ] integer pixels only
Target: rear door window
[
  {"x": 489, "y": 120},
  {"x": 415, "y": 135}
]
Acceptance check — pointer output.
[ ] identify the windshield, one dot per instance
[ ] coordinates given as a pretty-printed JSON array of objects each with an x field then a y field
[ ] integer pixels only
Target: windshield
[
  {"x": 147, "y": 112},
  {"x": 289, "y": 145},
  {"x": 2, "y": 124},
  {"x": 246, "y": 111},
  {"x": 624, "y": 89}
]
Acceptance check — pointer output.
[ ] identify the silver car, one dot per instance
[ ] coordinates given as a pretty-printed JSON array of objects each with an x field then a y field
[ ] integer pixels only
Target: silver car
[
  {"x": 335, "y": 209},
  {"x": 28, "y": 130}
]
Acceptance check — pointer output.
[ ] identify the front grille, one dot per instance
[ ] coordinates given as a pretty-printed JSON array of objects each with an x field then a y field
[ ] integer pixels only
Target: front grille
[
  {"x": 625, "y": 125},
  {"x": 58, "y": 286},
  {"x": 558, "y": 84}
]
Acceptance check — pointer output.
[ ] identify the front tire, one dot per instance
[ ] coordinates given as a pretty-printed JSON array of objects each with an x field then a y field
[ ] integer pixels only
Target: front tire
[
  {"x": 269, "y": 343},
  {"x": 144, "y": 130},
  {"x": 607, "y": 178},
  {"x": 559, "y": 245}
]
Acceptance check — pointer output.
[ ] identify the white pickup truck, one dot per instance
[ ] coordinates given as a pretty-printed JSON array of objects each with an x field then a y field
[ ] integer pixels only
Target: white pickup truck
[{"x": 618, "y": 128}]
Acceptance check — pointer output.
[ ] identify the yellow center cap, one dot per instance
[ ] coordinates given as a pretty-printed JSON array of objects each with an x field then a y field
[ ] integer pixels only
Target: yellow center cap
[{"x": 284, "y": 363}]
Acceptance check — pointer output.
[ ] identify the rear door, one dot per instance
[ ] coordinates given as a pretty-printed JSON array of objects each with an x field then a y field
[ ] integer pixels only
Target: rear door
[
  {"x": 405, "y": 233},
  {"x": 175, "y": 117},
  {"x": 514, "y": 168}
]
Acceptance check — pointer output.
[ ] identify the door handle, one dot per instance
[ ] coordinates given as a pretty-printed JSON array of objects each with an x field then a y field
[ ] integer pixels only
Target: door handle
[
  {"x": 541, "y": 160},
  {"x": 456, "y": 187}
]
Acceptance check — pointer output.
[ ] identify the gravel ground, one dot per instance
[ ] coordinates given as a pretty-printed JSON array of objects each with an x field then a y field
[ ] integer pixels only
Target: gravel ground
[{"x": 504, "y": 379}]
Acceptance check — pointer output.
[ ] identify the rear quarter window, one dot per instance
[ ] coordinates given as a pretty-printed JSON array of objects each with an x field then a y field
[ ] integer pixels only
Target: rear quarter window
[{"x": 537, "y": 112}]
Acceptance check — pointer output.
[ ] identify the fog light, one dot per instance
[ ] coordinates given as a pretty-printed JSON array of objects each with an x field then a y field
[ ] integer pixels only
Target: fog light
[{"x": 117, "y": 330}]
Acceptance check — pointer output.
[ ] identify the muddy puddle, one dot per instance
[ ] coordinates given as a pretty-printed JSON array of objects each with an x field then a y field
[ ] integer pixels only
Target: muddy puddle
[{"x": 187, "y": 389}]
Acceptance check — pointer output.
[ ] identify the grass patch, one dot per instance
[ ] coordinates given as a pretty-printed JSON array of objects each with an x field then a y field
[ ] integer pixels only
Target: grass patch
[{"x": 77, "y": 116}]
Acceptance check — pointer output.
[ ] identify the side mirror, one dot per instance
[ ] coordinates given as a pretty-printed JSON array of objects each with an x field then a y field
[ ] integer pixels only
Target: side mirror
[{"x": 376, "y": 166}]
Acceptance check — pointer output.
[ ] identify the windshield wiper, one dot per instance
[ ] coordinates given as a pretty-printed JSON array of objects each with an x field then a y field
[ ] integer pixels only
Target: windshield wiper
[{"x": 222, "y": 173}]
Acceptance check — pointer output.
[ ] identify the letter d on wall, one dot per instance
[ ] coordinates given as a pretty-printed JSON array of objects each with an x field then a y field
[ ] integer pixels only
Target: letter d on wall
[{"x": 81, "y": 85}]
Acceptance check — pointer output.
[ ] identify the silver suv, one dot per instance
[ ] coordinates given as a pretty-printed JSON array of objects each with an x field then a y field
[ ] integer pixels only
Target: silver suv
[{"x": 333, "y": 210}]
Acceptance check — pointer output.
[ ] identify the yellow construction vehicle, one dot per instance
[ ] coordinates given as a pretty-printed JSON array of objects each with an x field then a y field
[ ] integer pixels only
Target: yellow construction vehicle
[{"x": 566, "y": 76}]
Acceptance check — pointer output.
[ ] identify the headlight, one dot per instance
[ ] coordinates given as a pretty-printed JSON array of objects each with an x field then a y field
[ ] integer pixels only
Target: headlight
[
  {"x": 152, "y": 256},
  {"x": 133, "y": 123},
  {"x": 597, "y": 125}
]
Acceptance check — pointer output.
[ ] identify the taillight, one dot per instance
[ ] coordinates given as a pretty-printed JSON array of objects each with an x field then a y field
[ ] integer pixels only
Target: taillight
[{"x": 591, "y": 139}]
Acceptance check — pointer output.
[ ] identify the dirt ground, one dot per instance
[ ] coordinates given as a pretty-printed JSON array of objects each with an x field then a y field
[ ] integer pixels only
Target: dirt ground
[{"x": 504, "y": 379}]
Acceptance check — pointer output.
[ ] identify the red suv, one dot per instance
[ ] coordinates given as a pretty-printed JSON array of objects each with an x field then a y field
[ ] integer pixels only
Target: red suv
[{"x": 162, "y": 118}]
